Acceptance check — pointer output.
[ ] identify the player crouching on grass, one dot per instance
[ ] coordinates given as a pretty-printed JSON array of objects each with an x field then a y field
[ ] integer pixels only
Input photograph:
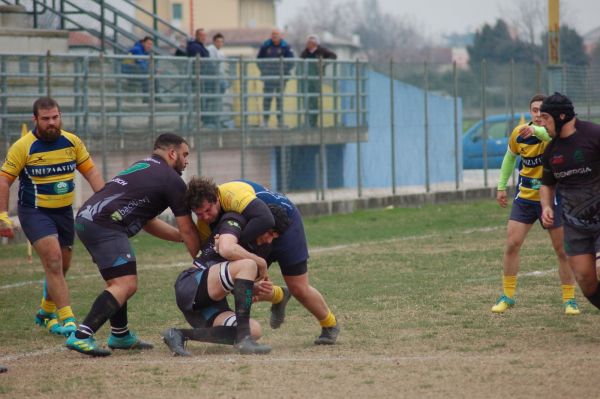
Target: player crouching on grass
[{"x": 201, "y": 290}]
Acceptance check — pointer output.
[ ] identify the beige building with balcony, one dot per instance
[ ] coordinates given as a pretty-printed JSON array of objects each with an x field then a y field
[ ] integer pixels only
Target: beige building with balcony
[{"x": 188, "y": 15}]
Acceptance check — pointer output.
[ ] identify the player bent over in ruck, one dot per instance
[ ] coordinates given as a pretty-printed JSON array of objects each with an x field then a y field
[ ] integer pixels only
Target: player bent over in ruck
[{"x": 201, "y": 291}]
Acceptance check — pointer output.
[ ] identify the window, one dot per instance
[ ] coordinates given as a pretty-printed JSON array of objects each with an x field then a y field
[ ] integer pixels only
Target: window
[{"x": 176, "y": 11}]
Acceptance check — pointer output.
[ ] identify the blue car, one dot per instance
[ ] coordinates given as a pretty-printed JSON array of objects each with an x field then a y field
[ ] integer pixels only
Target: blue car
[{"x": 499, "y": 129}]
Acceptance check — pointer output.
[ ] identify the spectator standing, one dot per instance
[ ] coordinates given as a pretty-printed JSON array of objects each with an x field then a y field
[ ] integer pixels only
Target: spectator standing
[
  {"x": 275, "y": 47},
  {"x": 220, "y": 84},
  {"x": 197, "y": 47},
  {"x": 314, "y": 50}
]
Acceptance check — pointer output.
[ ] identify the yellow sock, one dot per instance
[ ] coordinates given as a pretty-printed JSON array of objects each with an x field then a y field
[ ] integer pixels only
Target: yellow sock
[
  {"x": 509, "y": 285},
  {"x": 48, "y": 306},
  {"x": 277, "y": 294},
  {"x": 568, "y": 292},
  {"x": 328, "y": 321},
  {"x": 65, "y": 313}
]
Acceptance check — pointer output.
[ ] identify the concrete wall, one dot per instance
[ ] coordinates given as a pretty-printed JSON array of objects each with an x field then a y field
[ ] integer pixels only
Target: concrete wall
[{"x": 13, "y": 40}]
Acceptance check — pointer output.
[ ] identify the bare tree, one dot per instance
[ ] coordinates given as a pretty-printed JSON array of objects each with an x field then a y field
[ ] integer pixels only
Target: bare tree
[{"x": 382, "y": 35}]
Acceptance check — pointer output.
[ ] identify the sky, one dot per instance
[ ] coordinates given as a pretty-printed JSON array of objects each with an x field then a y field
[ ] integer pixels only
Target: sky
[{"x": 439, "y": 17}]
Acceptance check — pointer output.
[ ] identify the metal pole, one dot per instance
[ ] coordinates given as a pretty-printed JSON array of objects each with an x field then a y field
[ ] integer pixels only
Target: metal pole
[
  {"x": 102, "y": 27},
  {"x": 198, "y": 116},
  {"x": 511, "y": 124},
  {"x": 243, "y": 118},
  {"x": 538, "y": 77},
  {"x": 85, "y": 92},
  {"x": 155, "y": 21},
  {"x": 35, "y": 15},
  {"x": 336, "y": 99},
  {"x": 358, "y": 109},
  {"x": 587, "y": 93},
  {"x": 41, "y": 74},
  {"x": 3, "y": 101},
  {"x": 282, "y": 149},
  {"x": 322, "y": 156},
  {"x": 62, "y": 12},
  {"x": 564, "y": 86},
  {"x": 48, "y": 91},
  {"x": 426, "y": 116},
  {"x": 103, "y": 119},
  {"x": 483, "y": 116},
  {"x": 512, "y": 107},
  {"x": 152, "y": 97},
  {"x": 281, "y": 89},
  {"x": 392, "y": 126},
  {"x": 76, "y": 95},
  {"x": 456, "y": 131}
]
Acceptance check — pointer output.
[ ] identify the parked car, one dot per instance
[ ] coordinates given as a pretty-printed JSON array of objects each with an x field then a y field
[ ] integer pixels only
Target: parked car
[{"x": 499, "y": 129}]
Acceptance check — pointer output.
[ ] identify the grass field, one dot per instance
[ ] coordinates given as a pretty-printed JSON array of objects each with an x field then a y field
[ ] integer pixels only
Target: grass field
[{"x": 412, "y": 290}]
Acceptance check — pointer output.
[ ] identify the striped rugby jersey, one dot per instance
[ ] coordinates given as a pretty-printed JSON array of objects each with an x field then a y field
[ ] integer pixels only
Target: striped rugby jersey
[
  {"x": 46, "y": 170},
  {"x": 531, "y": 151}
]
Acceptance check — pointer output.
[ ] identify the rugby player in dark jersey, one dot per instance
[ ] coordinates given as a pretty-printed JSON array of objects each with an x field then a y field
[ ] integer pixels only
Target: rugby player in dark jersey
[
  {"x": 201, "y": 290},
  {"x": 572, "y": 170},
  {"x": 128, "y": 203}
]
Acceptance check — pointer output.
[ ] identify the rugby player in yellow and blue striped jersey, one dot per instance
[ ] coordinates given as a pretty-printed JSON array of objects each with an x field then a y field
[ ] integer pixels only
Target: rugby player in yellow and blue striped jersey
[
  {"x": 45, "y": 160},
  {"x": 529, "y": 142}
]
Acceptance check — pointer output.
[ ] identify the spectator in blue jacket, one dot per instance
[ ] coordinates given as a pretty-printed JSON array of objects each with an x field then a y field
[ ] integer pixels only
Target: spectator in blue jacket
[
  {"x": 140, "y": 66},
  {"x": 275, "y": 47}
]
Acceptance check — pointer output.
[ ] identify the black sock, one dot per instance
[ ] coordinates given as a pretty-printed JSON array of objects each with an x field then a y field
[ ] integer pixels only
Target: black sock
[
  {"x": 242, "y": 293},
  {"x": 118, "y": 322},
  {"x": 595, "y": 297},
  {"x": 103, "y": 308},
  {"x": 214, "y": 335}
]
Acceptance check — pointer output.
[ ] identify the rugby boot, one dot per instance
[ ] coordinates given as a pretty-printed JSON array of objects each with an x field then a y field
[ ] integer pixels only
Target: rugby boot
[
  {"x": 87, "y": 346},
  {"x": 248, "y": 346},
  {"x": 69, "y": 326},
  {"x": 502, "y": 304},
  {"x": 174, "y": 339},
  {"x": 571, "y": 308},
  {"x": 278, "y": 309},
  {"x": 328, "y": 335},
  {"x": 48, "y": 321},
  {"x": 130, "y": 341}
]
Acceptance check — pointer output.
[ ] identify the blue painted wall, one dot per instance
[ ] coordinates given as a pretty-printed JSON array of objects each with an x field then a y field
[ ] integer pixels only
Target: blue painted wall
[{"x": 409, "y": 120}]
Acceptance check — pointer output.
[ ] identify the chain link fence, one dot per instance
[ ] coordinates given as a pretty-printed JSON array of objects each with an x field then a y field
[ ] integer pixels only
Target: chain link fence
[{"x": 317, "y": 129}]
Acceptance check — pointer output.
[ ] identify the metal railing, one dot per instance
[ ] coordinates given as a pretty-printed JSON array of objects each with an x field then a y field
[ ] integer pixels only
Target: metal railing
[
  {"x": 109, "y": 19},
  {"x": 216, "y": 104}
]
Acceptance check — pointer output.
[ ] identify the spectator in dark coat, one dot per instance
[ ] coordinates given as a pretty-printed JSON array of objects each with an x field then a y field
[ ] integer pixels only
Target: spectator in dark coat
[
  {"x": 275, "y": 47},
  {"x": 314, "y": 50},
  {"x": 196, "y": 46}
]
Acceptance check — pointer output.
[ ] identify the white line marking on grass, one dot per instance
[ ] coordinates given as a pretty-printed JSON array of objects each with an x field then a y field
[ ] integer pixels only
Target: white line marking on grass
[
  {"x": 40, "y": 282},
  {"x": 312, "y": 251},
  {"x": 231, "y": 358},
  {"x": 23, "y": 355}
]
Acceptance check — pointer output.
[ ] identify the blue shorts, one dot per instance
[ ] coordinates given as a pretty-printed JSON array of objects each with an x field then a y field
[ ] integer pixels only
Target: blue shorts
[
  {"x": 42, "y": 222},
  {"x": 290, "y": 249},
  {"x": 527, "y": 212}
]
